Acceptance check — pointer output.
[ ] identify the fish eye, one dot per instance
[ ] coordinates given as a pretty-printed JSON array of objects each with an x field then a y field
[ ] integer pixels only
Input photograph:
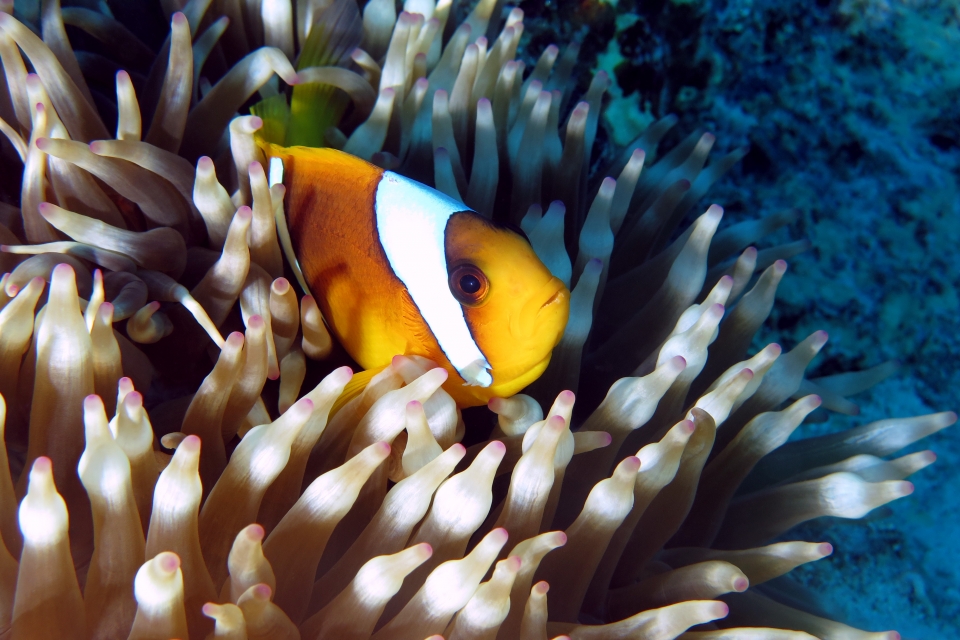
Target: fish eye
[{"x": 468, "y": 284}]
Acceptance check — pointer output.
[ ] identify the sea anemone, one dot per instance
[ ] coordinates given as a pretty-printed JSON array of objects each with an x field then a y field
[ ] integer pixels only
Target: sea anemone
[{"x": 662, "y": 503}]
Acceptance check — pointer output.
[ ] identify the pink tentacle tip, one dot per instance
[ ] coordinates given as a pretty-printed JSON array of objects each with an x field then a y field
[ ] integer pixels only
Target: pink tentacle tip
[
  {"x": 169, "y": 561},
  {"x": 235, "y": 339},
  {"x": 740, "y": 585},
  {"x": 606, "y": 439},
  {"x": 133, "y": 400},
  {"x": 262, "y": 591},
  {"x": 62, "y": 270},
  {"x": 499, "y": 535},
  {"x": 179, "y": 18},
  {"x": 255, "y": 532},
  {"x": 255, "y": 322},
  {"x": 43, "y": 464},
  {"x": 825, "y": 548},
  {"x": 497, "y": 447},
  {"x": 557, "y": 423},
  {"x": 304, "y": 405}
]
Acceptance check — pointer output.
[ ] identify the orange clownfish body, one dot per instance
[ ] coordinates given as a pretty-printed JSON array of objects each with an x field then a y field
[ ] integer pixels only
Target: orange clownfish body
[{"x": 399, "y": 268}]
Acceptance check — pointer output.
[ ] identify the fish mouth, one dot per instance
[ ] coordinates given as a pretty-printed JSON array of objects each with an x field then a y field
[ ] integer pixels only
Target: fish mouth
[
  {"x": 559, "y": 289},
  {"x": 535, "y": 313},
  {"x": 552, "y": 299}
]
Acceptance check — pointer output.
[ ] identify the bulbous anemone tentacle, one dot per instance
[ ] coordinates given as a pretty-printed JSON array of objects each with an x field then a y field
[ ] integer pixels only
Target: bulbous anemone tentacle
[{"x": 287, "y": 510}]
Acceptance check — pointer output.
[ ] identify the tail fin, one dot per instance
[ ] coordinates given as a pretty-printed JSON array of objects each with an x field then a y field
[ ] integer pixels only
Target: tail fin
[
  {"x": 336, "y": 31},
  {"x": 275, "y": 113}
]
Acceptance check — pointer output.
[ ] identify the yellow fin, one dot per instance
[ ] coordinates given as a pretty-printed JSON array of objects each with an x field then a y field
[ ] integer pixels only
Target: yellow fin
[
  {"x": 337, "y": 30},
  {"x": 275, "y": 113},
  {"x": 355, "y": 387}
]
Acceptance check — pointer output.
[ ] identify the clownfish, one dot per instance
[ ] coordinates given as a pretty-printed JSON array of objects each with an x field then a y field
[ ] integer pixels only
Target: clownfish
[{"x": 398, "y": 268}]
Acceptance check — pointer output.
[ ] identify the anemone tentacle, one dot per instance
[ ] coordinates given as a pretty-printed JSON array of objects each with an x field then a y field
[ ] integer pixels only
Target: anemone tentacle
[{"x": 242, "y": 507}]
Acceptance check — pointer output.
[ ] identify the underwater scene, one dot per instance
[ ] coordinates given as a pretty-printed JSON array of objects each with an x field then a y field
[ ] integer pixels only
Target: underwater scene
[{"x": 479, "y": 320}]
